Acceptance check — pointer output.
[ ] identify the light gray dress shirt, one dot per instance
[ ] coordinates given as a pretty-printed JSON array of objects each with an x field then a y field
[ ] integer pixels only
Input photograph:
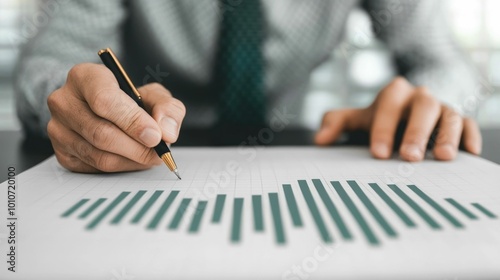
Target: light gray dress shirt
[{"x": 174, "y": 42}]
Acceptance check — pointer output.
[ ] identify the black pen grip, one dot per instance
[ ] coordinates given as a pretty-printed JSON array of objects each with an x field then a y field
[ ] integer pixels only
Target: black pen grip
[{"x": 122, "y": 81}]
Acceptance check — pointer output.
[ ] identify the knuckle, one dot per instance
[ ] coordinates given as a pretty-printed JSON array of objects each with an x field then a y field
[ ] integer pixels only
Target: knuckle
[
  {"x": 65, "y": 161},
  {"x": 85, "y": 152},
  {"x": 423, "y": 90},
  {"x": 54, "y": 101},
  {"x": 106, "y": 162},
  {"x": 134, "y": 122},
  {"x": 145, "y": 156},
  {"x": 51, "y": 129},
  {"x": 400, "y": 81},
  {"x": 426, "y": 99},
  {"x": 174, "y": 108},
  {"x": 102, "y": 135},
  {"x": 180, "y": 105},
  {"x": 76, "y": 72},
  {"x": 102, "y": 102},
  {"x": 157, "y": 86}
]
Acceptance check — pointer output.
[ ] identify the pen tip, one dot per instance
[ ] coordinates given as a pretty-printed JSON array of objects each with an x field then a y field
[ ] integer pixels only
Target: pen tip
[{"x": 177, "y": 174}]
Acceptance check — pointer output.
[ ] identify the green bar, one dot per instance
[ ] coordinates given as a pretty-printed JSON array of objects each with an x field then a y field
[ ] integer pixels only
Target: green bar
[
  {"x": 198, "y": 215},
  {"x": 237, "y": 213},
  {"x": 75, "y": 207},
  {"x": 219, "y": 206},
  {"x": 127, "y": 207},
  {"x": 163, "y": 209},
  {"x": 461, "y": 208},
  {"x": 106, "y": 210},
  {"x": 436, "y": 206},
  {"x": 91, "y": 208},
  {"x": 179, "y": 213},
  {"x": 402, "y": 215},
  {"x": 430, "y": 221},
  {"x": 278, "y": 224},
  {"x": 292, "y": 205},
  {"x": 313, "y": 208},
  {"x": 146, "y": 207},
  {"x": 355, "y": 212},
  {"x": 257, "y": 213},
  {"x": 373, "y": 210},
  {"x": 484, "y": 210},
  {"x": 346, "y": 234}
]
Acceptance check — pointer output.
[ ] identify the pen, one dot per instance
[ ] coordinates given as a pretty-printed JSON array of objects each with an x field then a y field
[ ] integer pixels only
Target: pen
[{"x": 109, "y": 59}]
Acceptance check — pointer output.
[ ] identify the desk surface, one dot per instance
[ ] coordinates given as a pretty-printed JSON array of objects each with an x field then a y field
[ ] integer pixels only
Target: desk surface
[{"x": 22, "y": 154}]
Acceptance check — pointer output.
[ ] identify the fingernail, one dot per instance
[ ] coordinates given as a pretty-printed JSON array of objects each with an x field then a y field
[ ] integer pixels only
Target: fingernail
[
  {"x": 150, "y": 137},
  {"x": 169, "y": 126},
  {"x": 412, "y": 152},
  {"x": 381, "y": 150}
]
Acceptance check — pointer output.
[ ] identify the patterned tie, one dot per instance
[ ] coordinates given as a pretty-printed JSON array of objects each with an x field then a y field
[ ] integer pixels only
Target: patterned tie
[{"x": 239, "y": 65}]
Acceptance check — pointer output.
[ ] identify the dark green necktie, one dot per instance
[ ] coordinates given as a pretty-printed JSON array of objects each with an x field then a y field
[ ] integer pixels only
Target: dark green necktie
[{"x": 239, "y": 65}]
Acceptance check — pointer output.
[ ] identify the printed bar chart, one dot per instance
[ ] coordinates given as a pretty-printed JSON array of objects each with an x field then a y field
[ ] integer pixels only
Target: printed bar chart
[{"x": 316, "y": 202}]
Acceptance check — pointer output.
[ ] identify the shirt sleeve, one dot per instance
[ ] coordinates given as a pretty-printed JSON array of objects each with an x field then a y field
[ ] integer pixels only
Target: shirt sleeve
[
  {"x": 73, "y": 33},
  {"x": 422, "y": 45}
]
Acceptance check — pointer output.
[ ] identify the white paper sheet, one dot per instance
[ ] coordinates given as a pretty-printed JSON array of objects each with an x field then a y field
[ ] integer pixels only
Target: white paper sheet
[{"x": 49, "y": 246}]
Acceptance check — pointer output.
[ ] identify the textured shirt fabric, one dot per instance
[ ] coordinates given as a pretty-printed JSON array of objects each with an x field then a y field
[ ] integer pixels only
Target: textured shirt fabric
[{"x": 175, "y": 42}]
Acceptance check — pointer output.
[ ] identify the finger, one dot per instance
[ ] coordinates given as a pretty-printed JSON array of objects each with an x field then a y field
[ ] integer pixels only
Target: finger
[
  {"x": 73, "y": 163},
  {"x": 449, "y": 131},
  {"x": 166, "y": 110},
  {"x": 424, "y": 114},
  {"x": 102, "y": 134},
  {"x": 99, "y": 88},
  {"x": 335, "y": 122},
  {"x": 388, "y": 111},
  {"x": 106, "y": 136},
  {"x": 472, "y": 137},
  {"x": 71, "y": 143},
  {"x": 67, "y": 160}
]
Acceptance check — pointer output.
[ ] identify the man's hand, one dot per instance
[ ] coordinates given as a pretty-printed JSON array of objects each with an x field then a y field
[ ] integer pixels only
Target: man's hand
[
  {"x": 401, "y": 101},
  {"x": 95, "y": 127}
]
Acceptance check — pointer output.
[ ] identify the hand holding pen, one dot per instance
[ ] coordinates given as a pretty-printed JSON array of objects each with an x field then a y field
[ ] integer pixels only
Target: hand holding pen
[{"x": 95, "y": 127}]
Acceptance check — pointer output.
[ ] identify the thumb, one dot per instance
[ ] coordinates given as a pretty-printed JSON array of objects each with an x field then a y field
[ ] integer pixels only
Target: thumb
[{"x": 167, "y": 111}]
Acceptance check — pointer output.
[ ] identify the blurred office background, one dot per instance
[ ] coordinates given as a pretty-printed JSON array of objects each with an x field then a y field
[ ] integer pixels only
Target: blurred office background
[{"x": 475, "y": 24}]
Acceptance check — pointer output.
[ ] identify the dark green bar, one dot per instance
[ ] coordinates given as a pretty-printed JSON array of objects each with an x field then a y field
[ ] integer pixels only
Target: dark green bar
[
  {"x": 127, "y": 207},
  {"x": 461, "y": 208},
  {"x": 146, "y": 207},
  {"x": 198, "y": 215},
  {"x": 346, "y": 234},
  {"x": 430, "y": 221},
  {"x": 313, "y": 208},
  {"x": 163, "y": 209},
  {"x": 75, "y": 207},
  {"x": 402, "y": 215},
  {"x": 106, "y": 210},
  {"x": 373, "y": 210},
  {"x": 484, "y": 210},
  {"x": 278, "y": 223},
  {"x": 179, "y": 213},
  {"x": 219, "y": 206},
  {"x": 237, "y": 213},
  {"x": 257, "y": 213},
  {"x": 91, "y": 208},
  {"x": 355, "y": 212},
  {"x": 436, "y": 206},
  {"x": 292, "y": 205}
]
